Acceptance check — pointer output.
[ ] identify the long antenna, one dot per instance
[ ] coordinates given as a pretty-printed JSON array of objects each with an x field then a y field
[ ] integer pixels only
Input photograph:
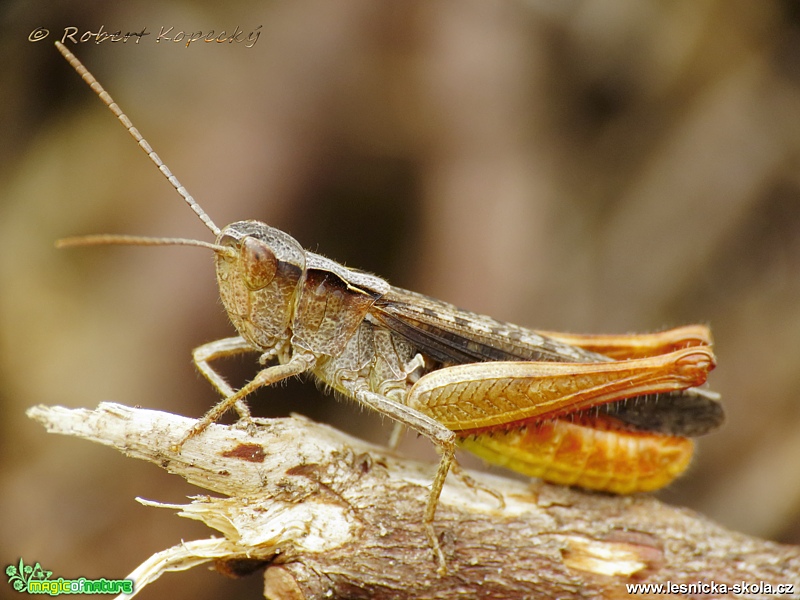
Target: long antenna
[
  {"x": 126, "y": 122},
  {"x": 106, "y": 239}
]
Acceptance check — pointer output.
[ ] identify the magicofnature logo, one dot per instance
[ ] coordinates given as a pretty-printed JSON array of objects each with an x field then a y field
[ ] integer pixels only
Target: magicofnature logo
[{"x": 35, "y": 580}]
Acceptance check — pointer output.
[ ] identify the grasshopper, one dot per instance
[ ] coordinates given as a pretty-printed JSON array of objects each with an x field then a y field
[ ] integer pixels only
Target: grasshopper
[{"x": 611, "y": 413}]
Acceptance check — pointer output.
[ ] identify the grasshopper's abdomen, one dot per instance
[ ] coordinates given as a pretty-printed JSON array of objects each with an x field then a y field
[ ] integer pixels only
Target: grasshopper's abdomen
[{"x": 598, "y": 457}]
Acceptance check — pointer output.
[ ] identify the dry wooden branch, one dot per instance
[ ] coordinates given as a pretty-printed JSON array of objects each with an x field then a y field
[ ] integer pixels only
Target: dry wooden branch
[{"x": 331, "y": 516}]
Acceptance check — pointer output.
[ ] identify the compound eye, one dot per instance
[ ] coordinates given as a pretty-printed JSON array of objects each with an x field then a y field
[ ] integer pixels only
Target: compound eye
[{"x": 259, "y": 263}]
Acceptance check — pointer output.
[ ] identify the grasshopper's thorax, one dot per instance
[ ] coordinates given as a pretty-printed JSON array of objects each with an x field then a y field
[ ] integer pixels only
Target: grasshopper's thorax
[{"x": 259, "y": 281}]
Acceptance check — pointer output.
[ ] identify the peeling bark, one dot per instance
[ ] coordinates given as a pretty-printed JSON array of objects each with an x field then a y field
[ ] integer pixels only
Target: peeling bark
[{"x": 332, "y": 516}]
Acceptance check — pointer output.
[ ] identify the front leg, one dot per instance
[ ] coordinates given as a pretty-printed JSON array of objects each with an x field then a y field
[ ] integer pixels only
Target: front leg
[
  {"x": 298, "y": 364},
  {"x": 203, "y": 355}
]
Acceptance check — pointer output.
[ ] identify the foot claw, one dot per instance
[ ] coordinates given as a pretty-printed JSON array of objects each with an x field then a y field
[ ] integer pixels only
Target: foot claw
[{"x": 246, "y": 424}]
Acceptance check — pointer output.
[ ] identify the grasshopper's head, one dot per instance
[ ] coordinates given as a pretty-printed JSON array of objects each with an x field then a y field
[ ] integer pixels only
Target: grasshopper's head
[{"x": 259, "y": 270}]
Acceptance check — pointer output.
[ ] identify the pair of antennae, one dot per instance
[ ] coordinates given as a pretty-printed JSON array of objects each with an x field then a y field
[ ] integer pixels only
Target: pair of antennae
[{"x": 104, "y": 239}]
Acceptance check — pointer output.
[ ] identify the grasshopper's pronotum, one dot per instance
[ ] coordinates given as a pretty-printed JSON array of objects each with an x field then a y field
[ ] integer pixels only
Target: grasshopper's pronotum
[{"x": 609, "y": 413}]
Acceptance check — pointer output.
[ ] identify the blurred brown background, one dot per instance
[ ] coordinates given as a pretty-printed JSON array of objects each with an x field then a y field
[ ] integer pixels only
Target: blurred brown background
[{"x": 588, "y": 166}]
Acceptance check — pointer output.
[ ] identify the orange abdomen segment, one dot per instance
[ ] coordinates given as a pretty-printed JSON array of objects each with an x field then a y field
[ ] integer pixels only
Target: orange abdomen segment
[{"x": 595, "y": 457}]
